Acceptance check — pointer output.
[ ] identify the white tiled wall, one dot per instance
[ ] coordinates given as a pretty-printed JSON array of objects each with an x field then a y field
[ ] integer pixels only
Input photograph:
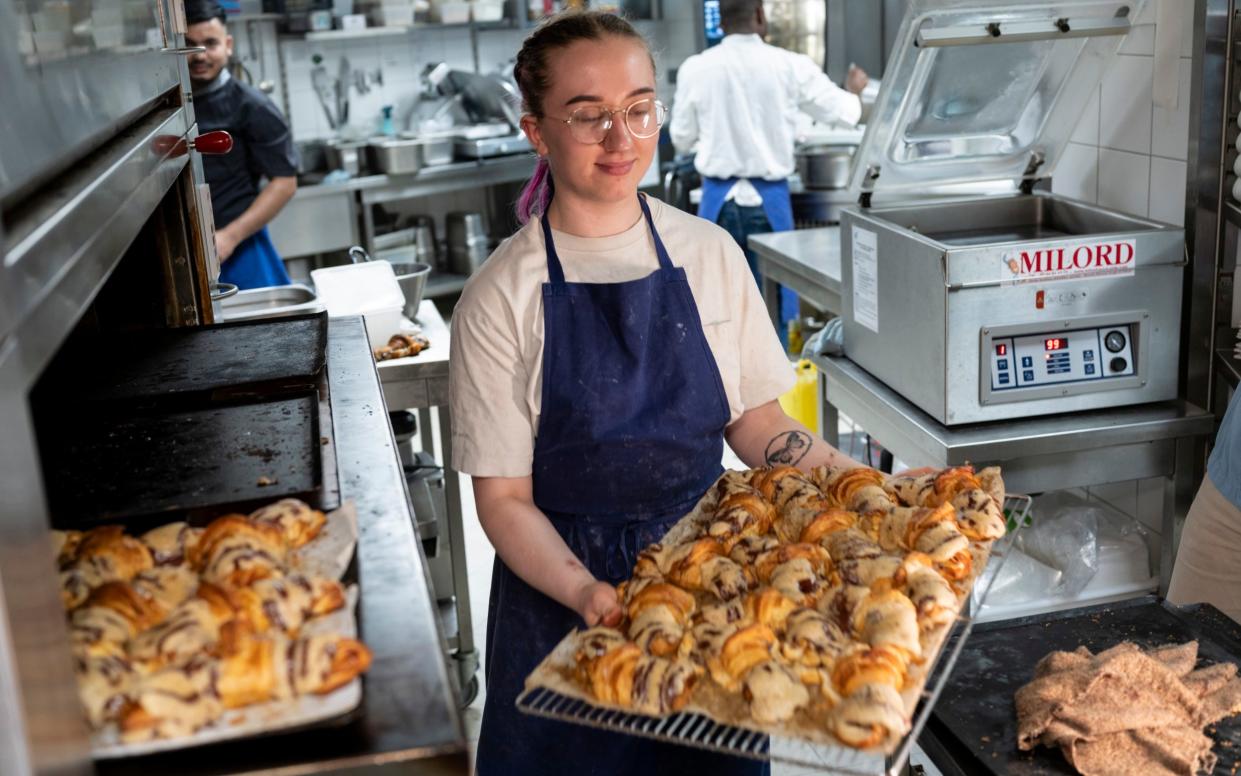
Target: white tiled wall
[
  {"x": 1127, "y": 153},
  {"x": 401, "y": 58}
]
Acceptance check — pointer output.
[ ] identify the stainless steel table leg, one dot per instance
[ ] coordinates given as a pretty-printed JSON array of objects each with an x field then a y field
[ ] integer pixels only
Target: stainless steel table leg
[
  {"x": 829, "y": 417},
  {"x": 425, "y": 434},
  {"x": 1167, "y": 530},
  {"x": 466, "y": 655},
  {"x": 771, "y": 296}
]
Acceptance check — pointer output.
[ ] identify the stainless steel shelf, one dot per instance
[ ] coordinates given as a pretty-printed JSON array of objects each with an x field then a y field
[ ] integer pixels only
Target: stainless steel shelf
[
  {"x": 1232, "y": 213},
  {"x": 393, "y": 31}
]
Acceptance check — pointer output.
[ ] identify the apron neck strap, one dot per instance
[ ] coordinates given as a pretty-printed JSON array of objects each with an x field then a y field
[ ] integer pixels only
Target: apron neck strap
[{"x": 555, "y": 271}]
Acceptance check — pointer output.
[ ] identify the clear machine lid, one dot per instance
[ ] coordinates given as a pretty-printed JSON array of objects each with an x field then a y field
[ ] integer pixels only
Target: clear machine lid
[{"x": 979, "y": 90}]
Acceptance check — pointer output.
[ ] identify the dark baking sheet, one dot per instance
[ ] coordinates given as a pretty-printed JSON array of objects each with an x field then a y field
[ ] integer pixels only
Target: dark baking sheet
[
  {"x": 975, "y": 721},
  {"x": 191, "y": 464},
  {"x": 230, "y": 359}
]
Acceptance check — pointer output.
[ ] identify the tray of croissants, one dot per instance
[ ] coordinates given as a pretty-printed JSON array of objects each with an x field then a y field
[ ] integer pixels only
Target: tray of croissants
[
  {"x": 810, "y": 606},
  {"x": 186, "y": 635}
]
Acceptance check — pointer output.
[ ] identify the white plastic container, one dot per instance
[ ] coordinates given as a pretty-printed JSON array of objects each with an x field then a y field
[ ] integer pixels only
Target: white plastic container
[
  {"x": 369, "y": 289},
  {"x": 488, "y": 10},
  {"x": 450, "y": 11}
]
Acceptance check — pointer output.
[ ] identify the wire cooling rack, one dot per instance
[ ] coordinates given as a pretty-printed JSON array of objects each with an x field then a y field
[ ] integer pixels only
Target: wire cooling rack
[{"x": 696, "y": 730}]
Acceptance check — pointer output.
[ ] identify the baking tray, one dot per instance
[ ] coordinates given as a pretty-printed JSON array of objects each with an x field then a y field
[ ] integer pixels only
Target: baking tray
[
  {"x": 140, "y": 466},
  {"x": 225, "y": 360},
  {"x": 975, "y": 722},
  {"x": 699, "y": 731}
]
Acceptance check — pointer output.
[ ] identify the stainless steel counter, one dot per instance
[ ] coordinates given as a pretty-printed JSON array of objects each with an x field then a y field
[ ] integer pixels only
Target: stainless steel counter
[
  {"x": 805, "y": 260},
  {"x": 1037, "y": 454},
  {"x": 333, "y": 216},
  {"x": 409, "y": 711},
  {"x": 421, "y": 382}
]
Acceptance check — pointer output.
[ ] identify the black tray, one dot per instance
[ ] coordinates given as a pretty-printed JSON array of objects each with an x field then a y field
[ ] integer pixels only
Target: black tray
[
  {"x": 974, "y": 723},
  {"x": 228, "y": 360},
  {"x": 143, "y": 465}
]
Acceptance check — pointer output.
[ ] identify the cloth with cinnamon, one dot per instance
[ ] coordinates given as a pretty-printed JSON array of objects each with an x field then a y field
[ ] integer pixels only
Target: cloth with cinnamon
[{"x": 1128, "y": 710}]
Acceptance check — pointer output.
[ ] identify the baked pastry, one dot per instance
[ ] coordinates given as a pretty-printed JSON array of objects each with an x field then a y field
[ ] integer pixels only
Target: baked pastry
[
  {"x": 172, "y": 702},
  {"x": 798, "y": 581},
  {"x": 270, "y": 668},
  {"x": 868, "y": 716},
  {"x": 658, "y": 615},
  {"x": 661, "y": 686},
  {"x": 65, "y": 546},
  {"x": 113, "y": 614},
  {"x": 878, "y": 665},
  {"x": 773, "y": 692},
  {"x": 816, "y": 557},
  {"x": 288, "y": 602},
  {"x": 402, "y": 346},
  {"x": 103, "y": 686},
  {"x": 295, "y": 519},
  {"x": 740, "y": 515},
  {"x": 811, "y": 639},
  {"x": 769, "y": 607},
  {"x": 168, "y": 586},
  {"x": 979, "y": 515},
  {"x": 169, "y": 544},
  {"x": 102, "y": 555},
  {"x": 888, "y": 618},
  {"x": 932, "y": 596},
  {"x": 191, "y": 630},
  {"x": 236, "y": 551},
  {"x": 826, "y": 522},
  {"x": 746, "y": 551},
  {"x": 742, "y": 650}
]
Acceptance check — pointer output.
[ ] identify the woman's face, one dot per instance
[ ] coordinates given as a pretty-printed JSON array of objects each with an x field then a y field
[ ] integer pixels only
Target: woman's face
[{"x": 612, "y": 73}]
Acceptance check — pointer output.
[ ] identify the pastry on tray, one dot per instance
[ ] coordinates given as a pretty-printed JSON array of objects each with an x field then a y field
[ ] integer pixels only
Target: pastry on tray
[
  {"x": 809, "y": 605},
  {"x": 172, "y": 629}
]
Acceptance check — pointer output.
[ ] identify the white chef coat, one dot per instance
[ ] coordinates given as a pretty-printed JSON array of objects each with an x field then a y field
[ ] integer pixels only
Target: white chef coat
[{"x": 736, "y": 104}]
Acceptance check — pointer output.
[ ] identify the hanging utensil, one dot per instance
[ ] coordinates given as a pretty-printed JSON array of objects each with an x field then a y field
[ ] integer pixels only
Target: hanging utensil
[{"x": 318, "y": 78}]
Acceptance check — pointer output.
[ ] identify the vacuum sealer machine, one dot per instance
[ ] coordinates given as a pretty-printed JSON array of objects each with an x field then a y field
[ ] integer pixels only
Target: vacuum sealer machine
[{"x": 1014, "y": 305}]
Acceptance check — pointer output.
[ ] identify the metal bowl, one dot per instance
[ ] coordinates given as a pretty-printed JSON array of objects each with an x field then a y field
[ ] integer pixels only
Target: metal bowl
[
  {"x": 825, "y": 165},
  {"x": 412, "y": 277}
]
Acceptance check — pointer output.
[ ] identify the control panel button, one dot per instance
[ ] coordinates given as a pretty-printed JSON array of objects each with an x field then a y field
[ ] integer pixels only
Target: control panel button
[
  {"x": 1118, "y": 364},
  {"x": 1003, "y": 363},
  {"x": 1028, "y": 375},
  {"x": 1003, "y": 378},
  {"x": 1114, "y": 341},
  {"x": 1089, "y": 369},
  {"x": 1027, "y": 361},
  {"x": 1087, "y": 355}
]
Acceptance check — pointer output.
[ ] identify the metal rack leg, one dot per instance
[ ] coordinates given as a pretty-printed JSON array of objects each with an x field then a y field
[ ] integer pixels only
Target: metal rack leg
[
  {"x": 466, "y": 655},
  {"x": 771, "y": 297},
  {"x": 830, "y": 416}
]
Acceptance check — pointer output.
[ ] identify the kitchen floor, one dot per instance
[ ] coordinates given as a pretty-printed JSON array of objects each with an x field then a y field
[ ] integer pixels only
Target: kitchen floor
[{"x": 480, "y": 556}]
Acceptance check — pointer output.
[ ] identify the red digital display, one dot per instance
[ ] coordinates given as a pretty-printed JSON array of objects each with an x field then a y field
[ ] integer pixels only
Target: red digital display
[
  {"x": 1055, "y": 343},
  {"x": 1001, "y": 349}
]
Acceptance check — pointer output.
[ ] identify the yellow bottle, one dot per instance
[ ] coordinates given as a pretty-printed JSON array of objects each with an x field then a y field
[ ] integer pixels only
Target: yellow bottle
[{"x": 801, "y": 401}]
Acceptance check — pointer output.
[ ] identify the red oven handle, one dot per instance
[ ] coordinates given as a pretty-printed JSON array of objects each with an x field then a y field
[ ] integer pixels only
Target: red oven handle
[{"x": 214, "y": 143}]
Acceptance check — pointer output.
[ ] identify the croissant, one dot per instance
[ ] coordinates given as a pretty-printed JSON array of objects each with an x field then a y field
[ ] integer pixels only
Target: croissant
[
  {"x": 734, "y": 481},
  {"x": 818, "y": 558},
  {"x": 851, "y": 544},
  {"x": 236, "y": 551},
  {"x": 652, "y": 562},
  {"x": 769, "y": 607},
  {"x": 912, "y": 491},
  {"x": 774, "y": 694},
  {"x": 869, "y": 715},
  {"x": 124, "y": 554},
  {"x": 746, "y": 551},
  {"x": 768, "y": 481},
  {"x": 868, "y": 571},
  {"x": 738, "y": 516},
  {"x": 812, "y": 639},
  {"x": 683, "y": 564},
  {"x": 888, "y": 617},
  {"x": 192, "y": 629},
  {"x": 741, "y": 651},
  {"x": 168, "y": 586},
  {"x": 169, "y": 544},
  {"x": 661, "y": 686},
  {"x": 288, "y": 602},
  {"x": 112, "y": 615},
  {"x": 951, "y": 482},
  {"x": 991, "y": 481},
  {"x": 658, "y": 615},
  {"x": 611, "y": 674},
  {"x": 705, "y": 644},
  {"x": 798, "y": 581},
  {"x": 826, "y": 522},
  {"x": 839, "y": 603},
  {"x": 595, "y": 642},
  {"x": 841, "y": 485},
  {"x": 172, "y": 702},
  {"x": 270, "y": 668},
  {"x": 402, "y": 346},
  {"x": 65, "y": 546},
  {"x": 295, "y": 520},
  {"x": 723, "y": 613},
  {"x": 103, "y": 686},
  {"x": 978, "y": 515},
  {"x": 884, "y": 665},
  {"x": 932, "y": 596},
  {"x": 870, "y": 499}
]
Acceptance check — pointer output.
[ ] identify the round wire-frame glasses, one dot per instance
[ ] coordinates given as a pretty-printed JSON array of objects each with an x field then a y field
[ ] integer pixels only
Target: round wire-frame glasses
[{"x": 592, "y": 123}]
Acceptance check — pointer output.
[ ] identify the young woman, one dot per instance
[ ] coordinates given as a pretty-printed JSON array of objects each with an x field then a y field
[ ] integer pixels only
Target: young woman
[{"x": 600, "y": 359}]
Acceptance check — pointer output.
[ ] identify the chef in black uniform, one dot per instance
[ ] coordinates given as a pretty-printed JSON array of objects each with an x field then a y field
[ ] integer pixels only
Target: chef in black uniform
[{"x": 262, "y": 149}]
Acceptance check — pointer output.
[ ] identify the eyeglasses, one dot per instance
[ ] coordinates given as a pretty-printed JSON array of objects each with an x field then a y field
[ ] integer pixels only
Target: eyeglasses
[{"x": 592, "y": 124}]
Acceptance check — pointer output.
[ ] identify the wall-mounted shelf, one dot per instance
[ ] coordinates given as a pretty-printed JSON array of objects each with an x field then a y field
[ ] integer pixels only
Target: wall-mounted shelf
[{"x": 390, "y": 31}]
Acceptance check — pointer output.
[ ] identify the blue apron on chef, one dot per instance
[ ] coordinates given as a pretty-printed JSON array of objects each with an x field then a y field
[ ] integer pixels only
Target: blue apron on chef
[
  {"x": 778, "y": 208},
  {"x": 255, "y": 264},
  {"x": 630, "y": 436}
]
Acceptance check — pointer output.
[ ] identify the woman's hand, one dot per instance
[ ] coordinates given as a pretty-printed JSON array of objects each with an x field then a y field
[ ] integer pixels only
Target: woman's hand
[{"x": 598, "y": 603}]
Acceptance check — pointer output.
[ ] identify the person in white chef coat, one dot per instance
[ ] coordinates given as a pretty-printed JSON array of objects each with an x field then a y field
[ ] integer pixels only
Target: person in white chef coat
[{"x": 736, "y": 106}]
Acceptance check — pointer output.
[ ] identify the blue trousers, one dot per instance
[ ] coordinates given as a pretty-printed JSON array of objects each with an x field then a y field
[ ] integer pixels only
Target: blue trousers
[{"x": 741, "y": 222}]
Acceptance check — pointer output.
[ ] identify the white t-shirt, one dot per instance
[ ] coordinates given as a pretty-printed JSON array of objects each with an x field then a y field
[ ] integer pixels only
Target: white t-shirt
[
  {"x": 737, "y": 104},
  {"x": 496, "y": 371}
]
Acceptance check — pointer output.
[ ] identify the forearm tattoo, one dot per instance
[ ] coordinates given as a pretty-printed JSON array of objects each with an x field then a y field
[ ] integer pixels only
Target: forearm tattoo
[{"x": 787, "y": 448}]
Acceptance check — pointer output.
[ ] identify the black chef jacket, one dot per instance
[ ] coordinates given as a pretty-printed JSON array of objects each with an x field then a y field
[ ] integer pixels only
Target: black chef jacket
[{"x": 262, "y": 144}]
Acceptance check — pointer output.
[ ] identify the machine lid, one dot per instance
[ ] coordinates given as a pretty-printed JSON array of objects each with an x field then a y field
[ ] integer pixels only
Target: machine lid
[{"x": 979, "y": 90}]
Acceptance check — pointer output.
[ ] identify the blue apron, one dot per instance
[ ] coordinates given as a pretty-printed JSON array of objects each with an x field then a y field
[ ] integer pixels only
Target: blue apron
[
  {"x": 255, "y": 264},
  {"x": 631, "y": 435},
  {"x": 777, "y": 206}
]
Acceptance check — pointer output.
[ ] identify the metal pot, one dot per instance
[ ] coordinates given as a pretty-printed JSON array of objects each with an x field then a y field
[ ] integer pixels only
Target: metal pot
[{"x": 824, "y": 165}]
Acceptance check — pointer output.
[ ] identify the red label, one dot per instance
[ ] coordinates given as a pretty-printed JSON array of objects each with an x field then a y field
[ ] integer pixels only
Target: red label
[{"x": 1062, "y": 262}]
